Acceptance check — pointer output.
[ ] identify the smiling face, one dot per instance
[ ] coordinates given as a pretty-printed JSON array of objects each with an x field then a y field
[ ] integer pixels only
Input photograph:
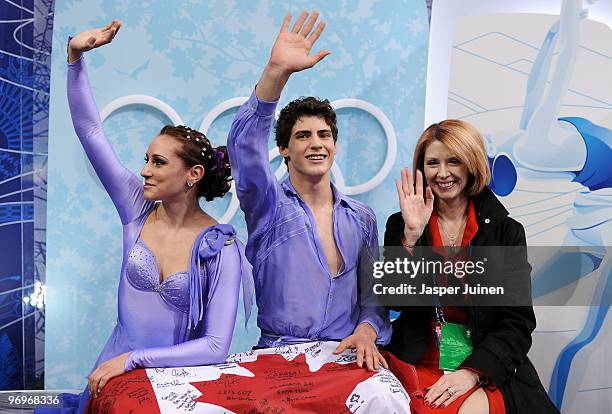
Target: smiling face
[
  {"x": 311, "y": 148},
  {"x": 165, "y": 174},
  {"x": 445, "y": 173}
]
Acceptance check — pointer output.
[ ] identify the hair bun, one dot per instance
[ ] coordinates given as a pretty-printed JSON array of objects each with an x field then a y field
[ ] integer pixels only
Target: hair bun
[{"x": 218, "y": 176}]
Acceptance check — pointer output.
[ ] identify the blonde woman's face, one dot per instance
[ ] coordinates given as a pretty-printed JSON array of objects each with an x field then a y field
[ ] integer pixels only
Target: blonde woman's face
[{"x": 446, "y": 175}]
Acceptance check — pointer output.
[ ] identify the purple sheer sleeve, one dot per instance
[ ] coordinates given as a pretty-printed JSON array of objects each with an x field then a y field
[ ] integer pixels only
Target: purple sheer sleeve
[
  {"x": 123, "y": 187},
  {"x": 247, "y": 146},
  {"x": 370, "y": 310},
  {"x": 218, "y": 322}
]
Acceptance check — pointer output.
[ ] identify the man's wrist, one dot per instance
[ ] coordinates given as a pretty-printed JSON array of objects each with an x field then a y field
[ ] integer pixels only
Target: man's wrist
[
  {"x": 365, "y": 328},
  {"x": 277, "y": 71},
  {"x": 271, "y": 83}
]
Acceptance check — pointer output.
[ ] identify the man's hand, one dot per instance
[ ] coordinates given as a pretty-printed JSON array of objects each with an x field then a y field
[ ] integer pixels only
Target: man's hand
[
  {"x": 105, "y": 372},
  {"x": 290, "y": 54},
  {"x": 363, "y": 340},
  {"x": 291, "y": 51},
  {"x": 91, "y": 39}
]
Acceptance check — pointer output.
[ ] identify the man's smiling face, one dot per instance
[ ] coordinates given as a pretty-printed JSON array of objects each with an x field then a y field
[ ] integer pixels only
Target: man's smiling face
[{"x": 311, "y": 148}]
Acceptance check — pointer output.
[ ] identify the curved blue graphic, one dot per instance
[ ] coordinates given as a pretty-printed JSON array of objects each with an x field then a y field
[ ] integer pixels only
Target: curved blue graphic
[
  {"x": 596, "y": 172},
  {"x": 592, "y": 327},
  {"x": 503, "y": 174}
]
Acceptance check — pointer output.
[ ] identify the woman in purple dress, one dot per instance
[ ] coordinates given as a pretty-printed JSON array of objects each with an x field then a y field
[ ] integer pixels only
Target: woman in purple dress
[{"x": 181, "y": 271}]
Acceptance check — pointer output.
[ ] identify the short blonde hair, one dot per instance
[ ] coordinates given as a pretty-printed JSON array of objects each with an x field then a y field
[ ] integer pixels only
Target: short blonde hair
[{"x": 466, "y": 143}]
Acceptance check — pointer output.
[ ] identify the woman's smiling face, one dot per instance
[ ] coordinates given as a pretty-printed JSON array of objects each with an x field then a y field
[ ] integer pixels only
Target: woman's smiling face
[{"x": 446, "y": 175}]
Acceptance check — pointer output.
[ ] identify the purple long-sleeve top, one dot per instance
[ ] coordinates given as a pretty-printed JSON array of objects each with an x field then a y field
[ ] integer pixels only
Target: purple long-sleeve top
[
  {"x": 188, "y": 319},
  {"x": 297, "y": 296}
]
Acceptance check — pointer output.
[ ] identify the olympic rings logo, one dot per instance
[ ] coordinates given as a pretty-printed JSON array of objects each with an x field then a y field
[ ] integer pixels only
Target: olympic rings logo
[{"x": 167, "y": 110}]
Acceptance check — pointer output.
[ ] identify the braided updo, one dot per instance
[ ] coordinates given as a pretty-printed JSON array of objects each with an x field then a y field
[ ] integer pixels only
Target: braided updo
[{"x": 197, "y": 150}]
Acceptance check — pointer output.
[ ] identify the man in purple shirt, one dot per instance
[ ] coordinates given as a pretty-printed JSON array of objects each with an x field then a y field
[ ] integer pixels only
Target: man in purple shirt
[{"x": 306, "y": 239}]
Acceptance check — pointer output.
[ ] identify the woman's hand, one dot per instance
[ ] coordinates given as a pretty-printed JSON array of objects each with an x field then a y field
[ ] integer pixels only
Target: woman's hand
[
  {"x": 91, "y": 39},
  {"x": 450, "y": 387},
  {"x": 105, "y": 372},
  {"x": 416, "y": 209}
]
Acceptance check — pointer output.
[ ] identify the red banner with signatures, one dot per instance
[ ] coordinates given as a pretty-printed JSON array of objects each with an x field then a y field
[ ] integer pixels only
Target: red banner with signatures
[{"x": 303, "y": 378}]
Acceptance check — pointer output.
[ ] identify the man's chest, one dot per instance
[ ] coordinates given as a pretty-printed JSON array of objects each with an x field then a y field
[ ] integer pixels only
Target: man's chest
[{"x": 324, "y": 232}]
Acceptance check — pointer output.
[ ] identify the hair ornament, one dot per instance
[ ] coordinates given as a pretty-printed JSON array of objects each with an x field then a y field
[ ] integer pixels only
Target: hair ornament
[{"x": 219, "y": 156}]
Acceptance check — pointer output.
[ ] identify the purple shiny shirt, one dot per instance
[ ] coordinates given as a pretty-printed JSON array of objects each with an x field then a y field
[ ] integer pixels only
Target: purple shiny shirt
[
  {"x": 189, "y": 318},
  {"x": 297, "y": 296}
]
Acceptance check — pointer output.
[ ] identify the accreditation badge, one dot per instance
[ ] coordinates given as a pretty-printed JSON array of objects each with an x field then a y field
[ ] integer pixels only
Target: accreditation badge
[{"x": 455, "y": 345}]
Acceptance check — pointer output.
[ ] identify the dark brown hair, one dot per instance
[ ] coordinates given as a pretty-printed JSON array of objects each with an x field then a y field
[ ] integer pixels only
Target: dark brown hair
[{"x": 197, "y": 150}]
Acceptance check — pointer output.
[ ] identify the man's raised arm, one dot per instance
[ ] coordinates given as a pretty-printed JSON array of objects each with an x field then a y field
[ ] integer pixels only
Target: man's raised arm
[
  {"x": 290, "y": 54},
  {"x": 248, "y": 138}
]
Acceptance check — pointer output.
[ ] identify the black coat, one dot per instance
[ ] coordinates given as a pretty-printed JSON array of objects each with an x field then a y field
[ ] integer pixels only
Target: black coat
[{"x": 501, "y": 335}]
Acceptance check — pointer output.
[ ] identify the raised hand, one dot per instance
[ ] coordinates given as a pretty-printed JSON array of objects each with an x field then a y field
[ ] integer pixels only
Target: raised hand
[
  {"x": 91, "y": 39},
  {"x": 416, "y": 209},
  {"x": 290, "y": 54},
  {"x": 291, "y": 51}
]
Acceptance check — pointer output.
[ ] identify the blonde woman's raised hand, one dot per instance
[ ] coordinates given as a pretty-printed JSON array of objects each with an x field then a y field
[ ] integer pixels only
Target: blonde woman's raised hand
[{"x": 416, "y": 205}]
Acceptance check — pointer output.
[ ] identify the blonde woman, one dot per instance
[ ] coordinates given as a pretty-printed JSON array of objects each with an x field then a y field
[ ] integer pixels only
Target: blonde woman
[{"x": 449, "y": 204}]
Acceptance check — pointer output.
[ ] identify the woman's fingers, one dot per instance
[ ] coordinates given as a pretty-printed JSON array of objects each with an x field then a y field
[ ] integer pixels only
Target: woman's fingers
[
  {"x": 429, "y": 198},
  {"x": 94, "y": 381},
  {"x": 450, "y": 400},
  {"x": 410, "y": 181},
  {"x": 115, "y": 28},
  {"x": 435, "y": 390},
  {"x": 103, "y": 380},
  {"x": 405, "y": 185},
  {"x": 108, "y": 26},
  {"x": 419, "y": 183},
  {"x": 400, "y": 191},
  {"x": 444, "y": 396}
]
